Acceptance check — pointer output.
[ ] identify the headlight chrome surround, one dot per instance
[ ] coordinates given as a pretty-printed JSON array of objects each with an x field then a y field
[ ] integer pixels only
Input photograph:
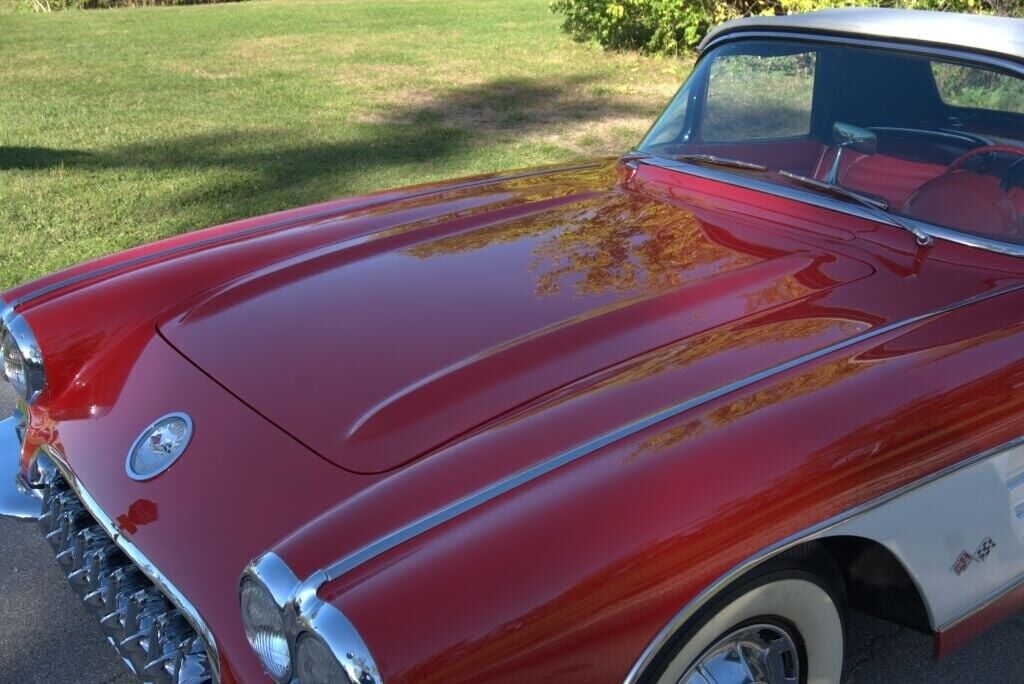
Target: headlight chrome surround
[
  {"x": 306, "y": 616},
  {"x": 21, "y": 359}
]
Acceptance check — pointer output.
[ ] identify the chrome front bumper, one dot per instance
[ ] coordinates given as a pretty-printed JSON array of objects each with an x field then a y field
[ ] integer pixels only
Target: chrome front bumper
[{"x": 17, "y": 500}]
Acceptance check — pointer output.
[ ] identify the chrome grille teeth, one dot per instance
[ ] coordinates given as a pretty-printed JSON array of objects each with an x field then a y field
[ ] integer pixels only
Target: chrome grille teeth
[
  {"x": 150, "y": 646},
  {"x": 66, "y": 501},
  {"x": 66, "y": 556},
  {"x": 61, "y": 537},
  {"x": 149, "y": 632},
  {"x": 97, "y": 587},
  {"x": 175, "y": 662},
  {"x": 168, "y": 637},
  {"x": 114, "y": 621},
  {"x": 85, "y": 546},
  {"x": 125, "y": 581},
  {"x": 66, "y": 541},
  {"x": 180, "y": 654},
  {"x": 131, "y": 614},
  {"x": 194, "y": 665},
  {"x": 63, "y": 499},
  {"x": 143, "y": 609},
  {"x": 47, "y": 513},
  {"x": 103, "y": 596},
  {"x": 131, "y": 643},
  {"x": 111, "y": 587},
  {"x": 100, "y": 561}
]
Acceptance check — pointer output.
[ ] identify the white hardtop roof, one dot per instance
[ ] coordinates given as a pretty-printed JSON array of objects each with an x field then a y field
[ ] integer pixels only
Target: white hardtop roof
[{"x": 997, "y": 36}]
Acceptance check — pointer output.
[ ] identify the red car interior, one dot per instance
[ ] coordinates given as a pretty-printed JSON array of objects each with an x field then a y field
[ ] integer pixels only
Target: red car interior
[
  {"x": 934, "y": 182},
  {"x": 883, "y": 175},
  {"x": 973, "y": 201}
]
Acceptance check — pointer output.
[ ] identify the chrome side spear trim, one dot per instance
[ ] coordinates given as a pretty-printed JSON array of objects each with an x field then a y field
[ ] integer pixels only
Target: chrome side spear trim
[{"x": 482, "y": 496}]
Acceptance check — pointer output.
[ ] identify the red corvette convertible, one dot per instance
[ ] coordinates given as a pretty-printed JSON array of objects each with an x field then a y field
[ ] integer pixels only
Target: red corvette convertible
[{"x": 661, "y": 418}]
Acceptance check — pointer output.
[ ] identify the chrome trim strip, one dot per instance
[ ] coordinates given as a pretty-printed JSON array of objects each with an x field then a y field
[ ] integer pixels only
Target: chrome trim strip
[
  {"x": 137, "y": 557},
  {"x": 489, "y": 493},
  {"x": 808, "y": 534},
  {"x": 969, "y": 240},
  {"x": 223, "y": 239},
  {"x": 309, "y": 615}
]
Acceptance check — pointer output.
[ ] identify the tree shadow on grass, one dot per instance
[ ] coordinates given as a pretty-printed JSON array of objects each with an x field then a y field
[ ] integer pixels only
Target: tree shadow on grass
[
  {"x": 23, "y": 158},
  {"x": 524, "y": 106},
  {"x": 268, "y": 170}
]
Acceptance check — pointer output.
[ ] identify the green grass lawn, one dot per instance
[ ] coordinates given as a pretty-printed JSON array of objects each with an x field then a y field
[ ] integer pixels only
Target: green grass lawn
[{"x": 121, "y": 126}]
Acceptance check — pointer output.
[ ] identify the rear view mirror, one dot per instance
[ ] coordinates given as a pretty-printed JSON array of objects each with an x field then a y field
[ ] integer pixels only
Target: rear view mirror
[
  {"x": 858, "y": 139},
  {"x": 847, "y": 136}
]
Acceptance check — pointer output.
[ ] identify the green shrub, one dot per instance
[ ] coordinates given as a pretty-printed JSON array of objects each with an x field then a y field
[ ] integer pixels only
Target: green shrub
[{"x": 674, "y": 26}]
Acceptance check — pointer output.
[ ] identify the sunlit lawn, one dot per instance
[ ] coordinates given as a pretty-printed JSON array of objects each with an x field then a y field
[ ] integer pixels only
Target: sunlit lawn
[{"x": 121, "y": 126}]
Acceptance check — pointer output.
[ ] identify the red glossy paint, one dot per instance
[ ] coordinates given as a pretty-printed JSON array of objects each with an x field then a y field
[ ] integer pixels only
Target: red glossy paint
[{"x": 439, "y": 339}]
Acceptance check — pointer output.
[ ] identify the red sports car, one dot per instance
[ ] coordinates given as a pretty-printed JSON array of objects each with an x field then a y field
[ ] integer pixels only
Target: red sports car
[{"x": 665, "y": 418}]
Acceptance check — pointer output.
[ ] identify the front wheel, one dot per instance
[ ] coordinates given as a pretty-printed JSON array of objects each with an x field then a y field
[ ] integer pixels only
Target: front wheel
[{"x": 782, "y": 627}]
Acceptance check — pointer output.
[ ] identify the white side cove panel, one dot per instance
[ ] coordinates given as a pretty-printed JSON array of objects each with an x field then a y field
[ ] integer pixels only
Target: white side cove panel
[{"x": 961, "y": 536}]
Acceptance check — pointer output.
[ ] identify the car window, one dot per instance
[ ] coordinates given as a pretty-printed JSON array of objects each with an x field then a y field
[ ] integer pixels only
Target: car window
[
  {"x": 752, "y": 97},
  {"x": 955, "y": 161},
  {"x": 669, "y": 129},
  {"x": 970, "y": 87}
]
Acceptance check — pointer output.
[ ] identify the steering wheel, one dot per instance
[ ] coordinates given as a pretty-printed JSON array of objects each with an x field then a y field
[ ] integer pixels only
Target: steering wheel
[
  {"x": 985, "y": 150},
  {"x": 972, "y": 201}
]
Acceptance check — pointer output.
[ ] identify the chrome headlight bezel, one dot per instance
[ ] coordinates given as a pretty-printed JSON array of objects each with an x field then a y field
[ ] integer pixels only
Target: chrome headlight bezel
[
  {"x": 306, "y": 616},
  {"x": 21, "y": 359}
]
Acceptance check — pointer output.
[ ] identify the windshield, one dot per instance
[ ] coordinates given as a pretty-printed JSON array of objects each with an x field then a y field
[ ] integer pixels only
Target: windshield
[{"x": 923, "y": 138}]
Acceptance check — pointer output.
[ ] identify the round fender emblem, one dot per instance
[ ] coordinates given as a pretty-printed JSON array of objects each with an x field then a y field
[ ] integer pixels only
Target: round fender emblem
[{"x": 159, "y": 446}]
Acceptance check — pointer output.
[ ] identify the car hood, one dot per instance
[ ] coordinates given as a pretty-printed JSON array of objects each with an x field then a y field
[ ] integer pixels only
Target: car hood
[{"x": 434, "y": 316}]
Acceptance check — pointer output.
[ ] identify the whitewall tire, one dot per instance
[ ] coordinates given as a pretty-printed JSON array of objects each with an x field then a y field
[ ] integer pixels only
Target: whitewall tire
[{"x": 783, "y": 627}]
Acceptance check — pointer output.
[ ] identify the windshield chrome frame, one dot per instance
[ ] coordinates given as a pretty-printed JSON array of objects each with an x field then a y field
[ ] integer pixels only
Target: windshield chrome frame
[{"x": 732, "y": 177}]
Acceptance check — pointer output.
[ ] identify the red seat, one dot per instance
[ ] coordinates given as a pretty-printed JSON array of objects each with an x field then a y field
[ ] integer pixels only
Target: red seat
[{"x": 879, "y": 174}]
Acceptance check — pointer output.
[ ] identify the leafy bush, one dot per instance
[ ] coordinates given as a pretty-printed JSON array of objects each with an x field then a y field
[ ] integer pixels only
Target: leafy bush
[
  {"x": 674, "y": 26},
  {"x": 54, "y": 5}
]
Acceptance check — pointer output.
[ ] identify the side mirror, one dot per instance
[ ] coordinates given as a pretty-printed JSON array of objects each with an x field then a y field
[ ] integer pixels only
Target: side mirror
[
  {"x": 858, "y": 139},
  {"x": 847, "y": 136}
]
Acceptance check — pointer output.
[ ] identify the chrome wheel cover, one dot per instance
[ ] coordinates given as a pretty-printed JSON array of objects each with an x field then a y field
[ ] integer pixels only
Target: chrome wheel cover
[{"x": 752, "y": 654}]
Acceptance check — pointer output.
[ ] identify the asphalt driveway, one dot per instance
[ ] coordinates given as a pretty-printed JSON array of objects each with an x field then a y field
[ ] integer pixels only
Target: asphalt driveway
[{"x": 46, "y": 636}]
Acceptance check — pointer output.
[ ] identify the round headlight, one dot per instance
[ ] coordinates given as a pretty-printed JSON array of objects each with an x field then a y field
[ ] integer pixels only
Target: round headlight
[
  {"x": 264, "y": 627},
  {"x": 13, "y": 361},
  {"x": 21, "y": 359},
  {"x": 315, "y": 664}
]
